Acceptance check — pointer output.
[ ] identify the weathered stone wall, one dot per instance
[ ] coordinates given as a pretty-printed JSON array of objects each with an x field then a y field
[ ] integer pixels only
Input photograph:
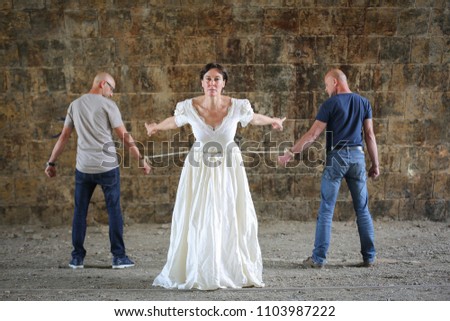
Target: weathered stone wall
[{"x": 396, "y": 53}]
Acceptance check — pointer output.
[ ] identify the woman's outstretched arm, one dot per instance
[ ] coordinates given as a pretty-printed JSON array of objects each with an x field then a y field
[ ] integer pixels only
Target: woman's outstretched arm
[{"x": 166, "y": 124}]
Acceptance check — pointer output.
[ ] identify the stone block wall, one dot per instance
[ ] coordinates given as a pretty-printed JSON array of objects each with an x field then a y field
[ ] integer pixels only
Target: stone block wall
[{"x": 396, "y": 53}]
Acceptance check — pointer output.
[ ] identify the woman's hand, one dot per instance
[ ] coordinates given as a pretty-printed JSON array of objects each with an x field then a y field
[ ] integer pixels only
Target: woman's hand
[
  {"x": 277, "y": 123},
  {"x": 151, "y": 128}
]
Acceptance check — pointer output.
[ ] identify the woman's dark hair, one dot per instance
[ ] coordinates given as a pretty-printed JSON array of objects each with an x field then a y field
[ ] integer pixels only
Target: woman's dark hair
[{"x": 213, "y": 65}]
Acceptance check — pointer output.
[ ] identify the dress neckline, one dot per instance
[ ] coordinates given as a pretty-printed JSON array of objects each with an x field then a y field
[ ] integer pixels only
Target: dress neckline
[{"x": 202, "y": 120}]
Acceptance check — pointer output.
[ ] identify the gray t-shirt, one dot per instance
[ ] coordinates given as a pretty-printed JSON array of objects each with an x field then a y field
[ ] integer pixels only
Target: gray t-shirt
[{"x": 93, "y": 117}]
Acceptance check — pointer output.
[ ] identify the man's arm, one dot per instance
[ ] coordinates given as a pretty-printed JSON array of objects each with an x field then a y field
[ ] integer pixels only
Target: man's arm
[
  {"x": 128, "y": 140},
  {"x": 50, "y": 170},
  {"x": 371, "y": 143},
  {"x": 304, "y": 142}
]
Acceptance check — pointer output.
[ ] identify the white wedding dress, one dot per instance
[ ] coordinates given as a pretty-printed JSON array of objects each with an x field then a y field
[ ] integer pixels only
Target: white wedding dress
[{"x": 214, "y": 234}]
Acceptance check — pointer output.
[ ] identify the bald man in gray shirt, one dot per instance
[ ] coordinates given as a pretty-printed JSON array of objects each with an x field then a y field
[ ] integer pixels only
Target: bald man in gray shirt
[{"x": 95, "y": 117}]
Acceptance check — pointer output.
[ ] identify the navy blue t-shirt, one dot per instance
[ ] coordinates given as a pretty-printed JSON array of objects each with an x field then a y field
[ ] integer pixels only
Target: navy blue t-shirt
[{"x": 344, "y": 115}]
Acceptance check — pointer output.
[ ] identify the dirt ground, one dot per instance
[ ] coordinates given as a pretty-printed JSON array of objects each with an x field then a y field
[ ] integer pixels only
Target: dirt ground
[{"x": 413, "y": 264}]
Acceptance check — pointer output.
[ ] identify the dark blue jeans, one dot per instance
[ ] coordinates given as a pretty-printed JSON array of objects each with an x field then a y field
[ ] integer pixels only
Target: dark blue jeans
[
  {"x": 348, "y": 164},
  {"x": 84, "y": 188}
]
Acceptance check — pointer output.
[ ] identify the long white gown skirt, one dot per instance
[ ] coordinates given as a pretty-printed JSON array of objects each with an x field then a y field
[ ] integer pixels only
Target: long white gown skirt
[{"x": 214, "y": 234}]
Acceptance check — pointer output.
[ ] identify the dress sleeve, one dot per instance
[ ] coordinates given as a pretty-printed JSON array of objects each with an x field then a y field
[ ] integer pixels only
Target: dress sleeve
[
  {"x": 181, "y": 118},
  {"x": 245, "y": 113}
]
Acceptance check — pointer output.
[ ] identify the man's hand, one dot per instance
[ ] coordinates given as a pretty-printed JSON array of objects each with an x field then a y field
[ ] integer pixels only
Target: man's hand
[
  {"x": 374, "y": 171},
  {"x": 145, "y": 166},
  {"x": 50, "y": 171},
  {"x": 283, "y": 160}
]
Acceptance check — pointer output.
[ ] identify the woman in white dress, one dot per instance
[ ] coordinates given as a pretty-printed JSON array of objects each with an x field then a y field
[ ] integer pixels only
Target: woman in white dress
[{"x": 214, "y": 233}]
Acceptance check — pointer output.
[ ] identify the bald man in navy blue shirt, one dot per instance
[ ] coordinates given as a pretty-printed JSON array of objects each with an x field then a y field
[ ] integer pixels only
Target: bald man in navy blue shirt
[{"x": 347, "y": 118}]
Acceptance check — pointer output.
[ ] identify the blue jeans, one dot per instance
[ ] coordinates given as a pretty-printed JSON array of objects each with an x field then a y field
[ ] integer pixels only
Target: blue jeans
[
  {"x": 348, "y": 164},
  {"x": 84, "y": 188}
]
